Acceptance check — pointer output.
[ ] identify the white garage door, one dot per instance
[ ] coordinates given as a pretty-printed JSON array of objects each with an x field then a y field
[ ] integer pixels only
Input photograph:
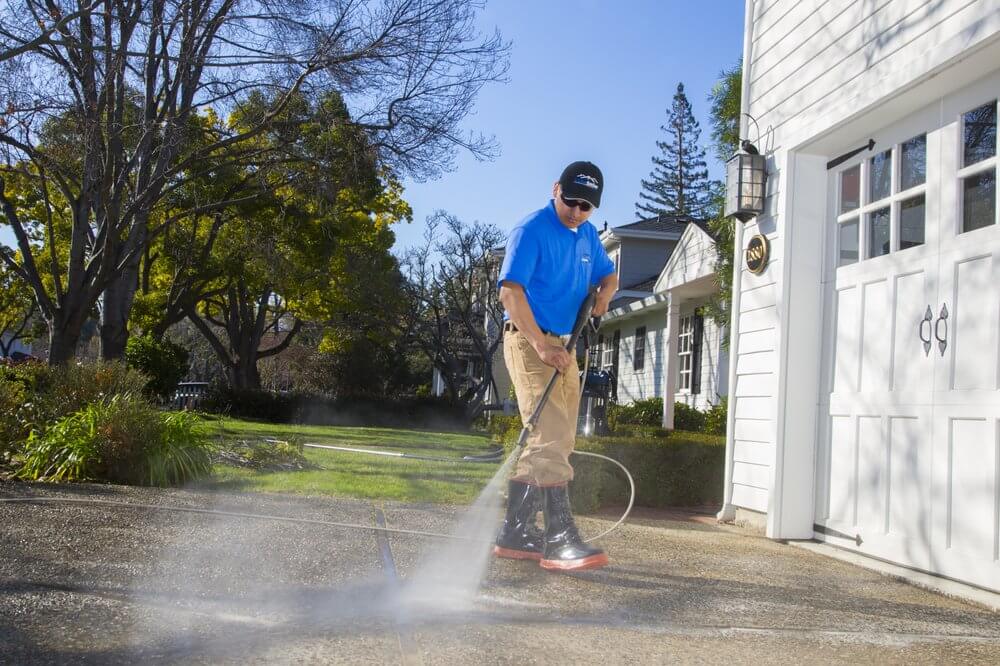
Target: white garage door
[{"x": 909, "y": 469}]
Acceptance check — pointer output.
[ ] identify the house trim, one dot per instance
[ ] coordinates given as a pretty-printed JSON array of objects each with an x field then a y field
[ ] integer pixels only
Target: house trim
[{"x": 613, "y": 235}]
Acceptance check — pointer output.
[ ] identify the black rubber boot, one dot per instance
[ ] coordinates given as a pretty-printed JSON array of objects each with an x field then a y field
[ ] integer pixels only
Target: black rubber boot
[
  {"x": 520, "y": 538},
  {"x": 564, "y": 549}
]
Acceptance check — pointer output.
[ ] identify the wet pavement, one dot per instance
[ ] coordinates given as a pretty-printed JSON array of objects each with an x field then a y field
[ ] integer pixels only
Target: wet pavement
[{"x": 106, "y": 584}]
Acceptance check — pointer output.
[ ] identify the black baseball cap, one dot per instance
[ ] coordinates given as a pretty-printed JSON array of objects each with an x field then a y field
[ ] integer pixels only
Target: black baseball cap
[{"x": 582, "y": 180}]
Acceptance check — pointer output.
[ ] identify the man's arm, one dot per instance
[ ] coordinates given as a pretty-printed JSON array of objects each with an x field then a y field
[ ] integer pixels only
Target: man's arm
[
  {"x": 606, "y": 291},
  {"x": 516, "y": 303}
]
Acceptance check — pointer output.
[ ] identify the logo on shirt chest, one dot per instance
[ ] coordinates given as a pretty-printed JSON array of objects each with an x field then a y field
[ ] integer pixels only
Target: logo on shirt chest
[{"x": 585, "y": 259}]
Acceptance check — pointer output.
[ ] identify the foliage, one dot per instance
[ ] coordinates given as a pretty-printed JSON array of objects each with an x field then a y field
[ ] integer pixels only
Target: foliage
[
  {"x": 34, "y": 395},
  {"x": 717, "y": 418},
  {"x": 104, "y": 109},
  {"x": 164, "y": 362},
  {"x": 641, "y": 412},
  {"x": 13, "y": 395},
  {"x": 122, "y": 440},
  {"x": 688, "y": 418},
  {"x": 679, "y": 469},
  {"x": 315, "y": 246},
  {"x": 725, "y": 100},
  {"x": 305, "y": 408},
  {"x": 678, "y": 184},
  {"x": 275, "y": 453},
  {"x": 669, "y": 469},
  {"x": 17, "y": 311}
]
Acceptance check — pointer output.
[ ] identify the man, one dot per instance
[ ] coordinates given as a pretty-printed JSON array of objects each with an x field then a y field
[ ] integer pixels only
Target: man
[{"x": 554, "y": 256}]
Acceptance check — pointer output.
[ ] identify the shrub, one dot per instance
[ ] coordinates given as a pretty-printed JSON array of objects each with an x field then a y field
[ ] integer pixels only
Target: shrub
[
  {"x": 680, "y": 469},
  {"x": 716, "y": 418},
  {"x": 123, "y": 440},
  {"x": 669, "y": 469},
  {"x": 34, "y": 395},
  {"x": 164, "y": 362},
  {"x": 688, "y": 418},
  {"x": 313, "y": 409},
  {"x": 647, "y": 412},
  {"x": 12, "y": 431},
  {"x": 74, "y": 386}
]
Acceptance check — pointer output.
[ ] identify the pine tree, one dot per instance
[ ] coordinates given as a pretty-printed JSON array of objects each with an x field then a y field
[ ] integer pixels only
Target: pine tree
[{"x": 678, "y": 183}]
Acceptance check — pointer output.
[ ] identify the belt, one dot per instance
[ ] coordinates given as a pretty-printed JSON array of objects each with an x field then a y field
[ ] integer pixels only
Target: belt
[{"x": 509, "y": 327}]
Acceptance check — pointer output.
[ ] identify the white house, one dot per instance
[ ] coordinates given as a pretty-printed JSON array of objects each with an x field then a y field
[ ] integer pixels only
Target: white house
[
  {"x": 654, "y": 338},
  {"x": 864, "y": 401}
]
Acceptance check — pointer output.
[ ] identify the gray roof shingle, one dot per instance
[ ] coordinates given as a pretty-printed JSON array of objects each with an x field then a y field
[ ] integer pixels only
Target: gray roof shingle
[{"x": 666, "y": 223}]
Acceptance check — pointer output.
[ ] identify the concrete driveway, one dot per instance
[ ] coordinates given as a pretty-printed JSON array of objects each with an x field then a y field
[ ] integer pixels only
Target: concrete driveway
[{"x": 103, "y": 584}]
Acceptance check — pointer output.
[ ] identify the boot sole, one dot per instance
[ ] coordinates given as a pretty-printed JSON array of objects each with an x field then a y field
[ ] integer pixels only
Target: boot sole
[
  {"x": 582, "y": 564},
  {"x": 510, "y": 554}
]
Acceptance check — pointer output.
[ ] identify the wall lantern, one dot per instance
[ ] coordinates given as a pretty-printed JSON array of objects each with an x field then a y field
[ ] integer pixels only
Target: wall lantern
[{"x": 746, "y": 177}]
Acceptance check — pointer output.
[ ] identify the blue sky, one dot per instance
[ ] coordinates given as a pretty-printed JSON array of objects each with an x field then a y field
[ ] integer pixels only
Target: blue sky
[{"x": 589, "y": 80}]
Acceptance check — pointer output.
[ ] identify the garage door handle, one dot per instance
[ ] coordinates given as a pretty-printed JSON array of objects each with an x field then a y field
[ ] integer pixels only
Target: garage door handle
[
  {"x": 942, "y": 319},
  {"x": 928, "y": 317}
]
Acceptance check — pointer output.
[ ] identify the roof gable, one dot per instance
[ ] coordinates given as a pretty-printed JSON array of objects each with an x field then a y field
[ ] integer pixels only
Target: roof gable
[{"x": 692, "y": 259}]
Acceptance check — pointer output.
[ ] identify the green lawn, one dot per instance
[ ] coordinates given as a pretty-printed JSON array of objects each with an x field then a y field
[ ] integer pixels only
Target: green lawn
[{"x": 345, "y": 474}]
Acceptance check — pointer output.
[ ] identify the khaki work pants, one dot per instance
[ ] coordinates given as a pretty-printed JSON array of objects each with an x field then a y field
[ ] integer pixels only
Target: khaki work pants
[{"x": 545, "y": 459}]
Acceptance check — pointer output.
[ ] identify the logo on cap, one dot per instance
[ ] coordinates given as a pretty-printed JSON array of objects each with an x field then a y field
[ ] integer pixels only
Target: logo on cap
[{"x": 586, "y": 181}]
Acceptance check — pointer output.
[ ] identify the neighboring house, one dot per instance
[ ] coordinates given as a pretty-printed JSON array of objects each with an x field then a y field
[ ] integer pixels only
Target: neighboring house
[
  {"x": 632, "y": 333},
  {"x": 864, "y": 408},
  {"x": 655, "y": 339}
]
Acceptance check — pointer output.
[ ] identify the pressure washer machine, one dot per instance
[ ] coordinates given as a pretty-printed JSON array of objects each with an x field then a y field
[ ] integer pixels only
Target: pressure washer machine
[{"x": 597, "y": 392}]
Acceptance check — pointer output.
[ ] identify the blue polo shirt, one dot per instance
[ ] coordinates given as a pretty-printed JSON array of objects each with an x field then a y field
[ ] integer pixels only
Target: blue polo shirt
[{"x": 555, "y": 265}]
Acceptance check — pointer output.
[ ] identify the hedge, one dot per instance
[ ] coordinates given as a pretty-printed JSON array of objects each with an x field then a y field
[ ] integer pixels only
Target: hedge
[
  {"x": 311, "y": 409},
  {"x": 670, "y": 468}
]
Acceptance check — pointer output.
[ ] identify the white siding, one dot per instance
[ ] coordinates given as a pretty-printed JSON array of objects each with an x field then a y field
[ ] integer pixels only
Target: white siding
[
  {"x": 694, "y": 258},
  {"x": 646, "y": 383},
  {"x": 814, "y": 68}
]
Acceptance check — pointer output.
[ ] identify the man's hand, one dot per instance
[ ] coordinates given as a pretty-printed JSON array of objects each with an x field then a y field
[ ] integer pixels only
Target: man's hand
[{"x": 555, "y": 356}]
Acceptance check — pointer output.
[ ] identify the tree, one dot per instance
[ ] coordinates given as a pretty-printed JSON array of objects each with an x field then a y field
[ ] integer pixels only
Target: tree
[
  {"x": 456, "y": 317},
  {"x": 312, "y": 244},
  {"x": 678, "y": 184},
  {"x": 725, "y": 100},
  {"x": 128, "y": 79}
]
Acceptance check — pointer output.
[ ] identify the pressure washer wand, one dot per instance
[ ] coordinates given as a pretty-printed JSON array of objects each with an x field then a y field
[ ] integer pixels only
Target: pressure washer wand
[{"x": 582, "y": 318}]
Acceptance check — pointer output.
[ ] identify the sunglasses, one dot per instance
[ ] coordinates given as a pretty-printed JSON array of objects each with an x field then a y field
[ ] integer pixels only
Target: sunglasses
[{"x": 573, "y": 203}]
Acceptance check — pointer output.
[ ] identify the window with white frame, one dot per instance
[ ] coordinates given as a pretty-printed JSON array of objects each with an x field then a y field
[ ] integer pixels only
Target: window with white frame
[
  {"x": 595, "y": 352},
  {"x": 608, "y": 353},
  {"x": 685, "y": 338},
  {"x": 978, "y": 169},
  {"x": 639, "y": 356},
  {"x": 881, "y": 206}
]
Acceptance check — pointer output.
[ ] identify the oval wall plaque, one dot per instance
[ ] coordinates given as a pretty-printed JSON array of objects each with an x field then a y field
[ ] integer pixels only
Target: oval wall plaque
[{"x": 758, "y": 250}]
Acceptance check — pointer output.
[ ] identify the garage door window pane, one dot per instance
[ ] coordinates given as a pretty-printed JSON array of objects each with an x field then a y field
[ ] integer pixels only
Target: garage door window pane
[
  {"x": 848, "y": 243},
  {"x": 881, "y": 176},
  {"x": 980, "y": 137},
  {"x": 850, "y": 189},
  {"x": 878, "y": 233},
  {"x": 911, "y": 222},
  {"x": 979, "y": 196},
  {"x": 913, "y": 162}
]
